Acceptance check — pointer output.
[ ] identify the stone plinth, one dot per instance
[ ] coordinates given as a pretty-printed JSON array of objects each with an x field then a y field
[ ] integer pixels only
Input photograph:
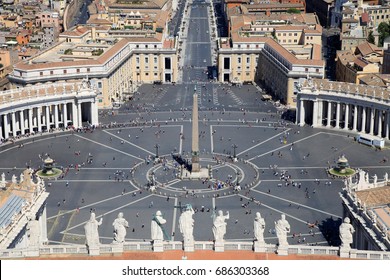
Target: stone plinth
[
  {"x": 94, "y": 251},
  {"x": 345, "y": 252},
  {"x": 189, "y": 246},
  {"x": 282, "y": 250},
  {"x": 259, "y": 247},
  {"x": 117, "y": 247},
  {"x": 202, "y": 174},
  {"x": 219, "y": 246},
  {"x": 32, "y": 252},
  {"x": 158, "y": 246}
]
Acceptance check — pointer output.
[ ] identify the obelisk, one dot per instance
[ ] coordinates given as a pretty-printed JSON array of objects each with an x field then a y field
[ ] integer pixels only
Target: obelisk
[{"x": 195, "y": 135}]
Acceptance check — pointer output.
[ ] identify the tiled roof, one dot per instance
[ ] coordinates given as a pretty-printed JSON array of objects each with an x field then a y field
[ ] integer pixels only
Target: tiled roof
[{"x": 375, "y": 196}]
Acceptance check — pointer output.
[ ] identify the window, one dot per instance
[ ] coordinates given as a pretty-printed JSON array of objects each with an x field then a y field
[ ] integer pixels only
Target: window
[
  {"x": 239, "y": 60},
  {"x": 248, "y": 60},
  {"x": 65, "y": 71},
  {"x": 155, "y": 60},
  {"x": 226, "y": 63},
  {"x": 99, "y": 85},
  {"x": 137, "y": 46},
  {"x": 51, "y": 72},
  {"x": 168, "y": 63},
  {"x": 318, "y": 70},
  {"x": 155, "y": 74},
  {"x": 239, "y": 46},
  {"x": 41, "y": 73},
  {"x": 155, "y": 46},
  {"x": 137, "y": 59},
  {"x": 146, "y": 46},
  {"x": 146, "y": 74},
  {"x": 78, "y": 70},
  {"x": 306, "y": 69},
  {"x": 88, "y": 70}
]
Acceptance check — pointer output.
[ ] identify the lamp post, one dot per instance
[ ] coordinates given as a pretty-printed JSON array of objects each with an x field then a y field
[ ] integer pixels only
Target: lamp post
[
  {"x": 156, "y": 157},
  {"x": 234, "y": 152}
]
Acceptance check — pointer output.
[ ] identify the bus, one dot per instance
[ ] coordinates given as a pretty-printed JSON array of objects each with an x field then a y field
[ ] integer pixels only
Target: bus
[{"x": 371, "y": 140}]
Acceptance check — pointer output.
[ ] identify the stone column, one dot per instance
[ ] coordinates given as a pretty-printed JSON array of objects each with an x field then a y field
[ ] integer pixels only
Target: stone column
[
  {"x": 21, "y": 121},
  {"x": 30, "y": 120},
  {"x": 13, "y": 124},
  {"x": 65, "y": 114},
  {"x": 380, "y": 123},
  {"x": 329, "y": 116},
  {"x": 79, "y": 115},
  {"x": 195, "y": 135},
  {"x": 372, "y": 120},
  {"x": 6, "y": 125},
  {"x": 302, "y": 112},
  {"x": 39, "y": 119},
  {"x": 56, "y": 121},
  {"x": 74, "y": 116},
  {"x": 363, "y": 119},
  {"x": 355, "y": 117},
  {"x": 387, "y": 125},
  {"x": 1, "y": 127},
  {"x": 346, "y": 119},
  {"x": 47, "y": 118},
  {"x": 337, "y": 115},
  {"x": 315, "y": 113},
  {"x": 94, "y": 114}
]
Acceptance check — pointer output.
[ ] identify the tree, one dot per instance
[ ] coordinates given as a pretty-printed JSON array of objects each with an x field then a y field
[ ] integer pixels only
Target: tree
[
  {"x": 371, "y": 38},
  {"x": 384, "y": 31},
  {"x": 293, "y": 11}
]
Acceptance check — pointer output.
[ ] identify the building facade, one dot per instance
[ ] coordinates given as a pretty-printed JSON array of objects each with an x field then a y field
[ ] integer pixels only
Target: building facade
[{"x": 114, "y": 62}]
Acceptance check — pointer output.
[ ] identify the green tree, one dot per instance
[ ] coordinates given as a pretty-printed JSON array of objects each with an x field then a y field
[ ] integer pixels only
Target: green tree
[
  {"x": 293, "y": 11},
  {"x": 384, "y": 31},
  {"x": 371, "y": 38}
]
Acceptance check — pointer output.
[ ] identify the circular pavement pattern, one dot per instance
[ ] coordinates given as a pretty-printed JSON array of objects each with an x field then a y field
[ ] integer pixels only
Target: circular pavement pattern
[{"x": 281, "y": 168}]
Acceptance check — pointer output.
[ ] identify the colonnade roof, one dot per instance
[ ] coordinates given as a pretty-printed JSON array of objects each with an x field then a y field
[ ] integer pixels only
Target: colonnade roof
[{"x": 348, "y": 88}]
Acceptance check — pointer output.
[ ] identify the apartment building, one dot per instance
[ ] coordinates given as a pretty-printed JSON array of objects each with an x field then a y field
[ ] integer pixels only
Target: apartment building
[
  {"x": 353, "y": 64},
  {"x": 275, "y": 50}
]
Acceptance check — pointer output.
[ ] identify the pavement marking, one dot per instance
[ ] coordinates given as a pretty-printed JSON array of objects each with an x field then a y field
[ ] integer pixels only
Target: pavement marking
[
  {"x": 292, "y": 202},
  {"x": 258, "y": 144},
  {"x": 174, "y": 219},
  {"x": 285, "y": 146},
  {"x": 108, "y": 147},
  {"x": 16, "y": 146},
  {"x": 108, "y": 212},
  {"x": 128, "y": 142},
  {"x": 91, "y": 204},
  {"x": 211, "y": 138}
]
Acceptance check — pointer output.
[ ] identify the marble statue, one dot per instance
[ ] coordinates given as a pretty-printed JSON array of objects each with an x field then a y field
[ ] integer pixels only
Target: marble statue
[
  {"x": 386, "y": 177},
  {"x": 346, "y": 233},
  {"x": 258, "y": 227},
  {"x": 120, "y": 225},
  {"x": 366, "y": 178},
  {"x": 186, "y": 223},
  {"x": 156, "y": 226},
  {"x": 21, "y": 178},
  {"x": 13, "y": 179},
  {"x": 2, "y": 182},
  {"x": 375, "y": 177},
  {"x": 219, "y": 225},
  {"x": 91, "y": 231},
  {"x": 282, "y": 228}
]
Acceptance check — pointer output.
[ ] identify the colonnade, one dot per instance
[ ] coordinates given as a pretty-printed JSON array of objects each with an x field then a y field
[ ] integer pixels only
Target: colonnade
[
  {"x": 43, "y": 117},
  {"x": 41, "y": 108},
  {"x": 348, "y": 114}
]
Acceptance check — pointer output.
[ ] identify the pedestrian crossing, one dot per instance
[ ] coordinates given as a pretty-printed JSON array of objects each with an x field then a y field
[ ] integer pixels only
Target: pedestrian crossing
[
  {"x": 215, "y": 96},
  {"x": 235, "y": 97}
]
